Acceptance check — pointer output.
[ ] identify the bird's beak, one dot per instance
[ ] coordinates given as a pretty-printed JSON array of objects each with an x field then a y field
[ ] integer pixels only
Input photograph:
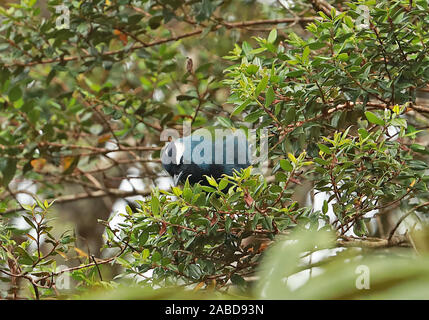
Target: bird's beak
[{"x": 176, "y": 178}]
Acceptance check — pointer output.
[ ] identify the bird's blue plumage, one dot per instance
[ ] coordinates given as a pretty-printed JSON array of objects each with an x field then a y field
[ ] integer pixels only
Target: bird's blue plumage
[{"x": 195, "y": 156}]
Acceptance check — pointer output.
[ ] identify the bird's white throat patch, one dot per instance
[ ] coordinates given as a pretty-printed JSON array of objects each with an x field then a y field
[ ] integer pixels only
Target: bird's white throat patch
[
  {"x": 180, "y": 150},
  {"x": 172, "y": 152}
]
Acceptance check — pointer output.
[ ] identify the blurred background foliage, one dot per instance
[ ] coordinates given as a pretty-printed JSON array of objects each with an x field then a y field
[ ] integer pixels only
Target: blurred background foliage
[{"x": 87, "y": 88}]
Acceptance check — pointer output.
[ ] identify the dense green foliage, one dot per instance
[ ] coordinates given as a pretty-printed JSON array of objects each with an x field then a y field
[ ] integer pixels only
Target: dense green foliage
[{"x": 343, "y": 105}]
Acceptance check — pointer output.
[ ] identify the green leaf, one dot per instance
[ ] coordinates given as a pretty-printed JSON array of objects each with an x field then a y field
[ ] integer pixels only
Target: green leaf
[
  {"x": 215, "y": 202},
  {"x": 156, "y": 256},
  {"x": 117, "y": 115},
  {"x": 272, "y": 36},
  {"x": 317, "y": 45},
  {"x": 247, "y": 48},
  {"x": 252, "y": 69},
  {"x": 241, "y": 107},
  {"x": 187, "y": 194},
  {"x": 225, "y": 122},
  {"x": 419, "y": 148},
  {"x": 261, "y": 86},
  {"x": 343, "y": 56},
  {"x": 280, "y": 176},
  {"x": 123, "y": 262},
  {"x": 253, "y": 116},
  {"x": 208, "y": 189},
  {"x": 222, "y": 184},
  {"x": 24, "y": 257},
  {"x": 15, "y": 93},
  {"x": 155, "y": 22},
  {"x": 193, "y": 271},
  {"x": 29, "y": 222},
  {"x": 8, "y": 170},
  {"x": 155, "y": 205},
  {"x": 246, "y": 173},
  {"x": 228, "y": 223},
  {"x": 325, "y": 207},
  {"x": 286, "y": 165},
  {"x": 144, "y": 236},
  {"x": 324, "y": 148},
  {"x": 359, "y": 228},
  {"x": 294, "y": 74},
  {"x": 212, "y": 181},
  {"x": 255, "y": 220},
  {"x": 177, "y": 191},
  {"x": 374, "y": 119},
  {"x": 269, "y": 97},
  {"x": 145, "y": 254},
  {"x": 305, "y": 54},
  {"x": 321, "y": 161}
]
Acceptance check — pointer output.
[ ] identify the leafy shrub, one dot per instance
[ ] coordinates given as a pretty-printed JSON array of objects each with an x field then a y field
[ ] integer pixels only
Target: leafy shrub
[{"x": 344, "y": 115}]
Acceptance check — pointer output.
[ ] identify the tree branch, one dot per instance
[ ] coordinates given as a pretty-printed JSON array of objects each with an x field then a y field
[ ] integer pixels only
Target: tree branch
[{"x": 228, "y": 25}]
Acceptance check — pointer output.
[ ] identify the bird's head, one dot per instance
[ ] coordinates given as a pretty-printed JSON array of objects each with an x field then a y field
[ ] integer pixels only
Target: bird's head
[{"x": 172, "y": 159}]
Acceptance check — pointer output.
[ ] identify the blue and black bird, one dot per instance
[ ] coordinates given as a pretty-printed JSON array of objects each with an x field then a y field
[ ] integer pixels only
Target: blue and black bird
[{"x": 195, "y": 156}]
